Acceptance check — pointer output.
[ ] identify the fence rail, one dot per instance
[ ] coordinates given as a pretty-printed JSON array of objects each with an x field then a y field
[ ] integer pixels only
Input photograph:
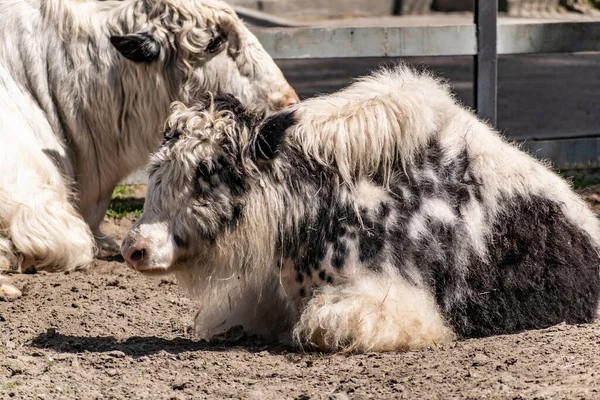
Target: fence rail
[{"x": 449, "y": 40}]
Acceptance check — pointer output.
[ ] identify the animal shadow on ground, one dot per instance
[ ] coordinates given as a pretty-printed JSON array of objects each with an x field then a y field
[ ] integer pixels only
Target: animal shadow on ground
[
  {"x": 139, "y": 346},
  {"x": 111, "y": 257}
]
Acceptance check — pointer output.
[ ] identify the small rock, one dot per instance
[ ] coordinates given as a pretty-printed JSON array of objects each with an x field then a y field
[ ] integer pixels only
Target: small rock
[
  {"x": 112, "y": 372},
  {"x": 75, "y": 305},
  {"x": 116, "y": 354},
  {"x": 510, "y": 361},
  {"x": 9, "y": 292}
]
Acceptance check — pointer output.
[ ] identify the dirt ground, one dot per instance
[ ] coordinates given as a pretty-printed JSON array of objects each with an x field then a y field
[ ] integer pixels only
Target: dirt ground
[{"x": 112, "y": 333}]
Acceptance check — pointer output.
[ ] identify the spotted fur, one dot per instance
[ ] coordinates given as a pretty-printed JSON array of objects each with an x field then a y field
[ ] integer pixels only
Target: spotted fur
[{"x": 382, "y": 217}]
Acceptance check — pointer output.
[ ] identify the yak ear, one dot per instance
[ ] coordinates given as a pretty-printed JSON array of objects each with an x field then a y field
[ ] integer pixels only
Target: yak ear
[
  {"x": 138, "y": 47},
  {"x": 271, "y": 134}
]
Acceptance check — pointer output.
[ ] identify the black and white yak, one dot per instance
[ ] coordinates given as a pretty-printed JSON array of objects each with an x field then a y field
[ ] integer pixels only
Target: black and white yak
[
  {"x": 84, "y": 89},
  {"x": 382, "y": 217}
]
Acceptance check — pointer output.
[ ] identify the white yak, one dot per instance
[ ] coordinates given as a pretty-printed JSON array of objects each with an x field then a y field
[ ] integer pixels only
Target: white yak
[{"x": 84, "y": 86}]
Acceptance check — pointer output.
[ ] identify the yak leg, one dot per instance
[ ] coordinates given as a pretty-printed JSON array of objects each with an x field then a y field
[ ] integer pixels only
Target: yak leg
[
  {"x": 260, "y": 310},
  {"x": 45, "y": 230},
  {"x": 35, "y": 209},
  {"x": 104, "y": 243},
  {"x": 371, "y": 313}
]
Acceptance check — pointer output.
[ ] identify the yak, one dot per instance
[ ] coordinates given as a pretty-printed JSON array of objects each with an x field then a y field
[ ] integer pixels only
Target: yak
[{"x": 383, "y": 217}]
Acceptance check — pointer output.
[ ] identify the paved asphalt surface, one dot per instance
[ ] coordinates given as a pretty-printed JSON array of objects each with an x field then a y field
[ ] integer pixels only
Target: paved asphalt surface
[{"x": 539, "y": 95}]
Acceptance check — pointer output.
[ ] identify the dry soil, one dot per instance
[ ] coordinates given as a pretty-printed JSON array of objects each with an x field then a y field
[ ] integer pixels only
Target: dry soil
[{"x": 112, "y": 333}]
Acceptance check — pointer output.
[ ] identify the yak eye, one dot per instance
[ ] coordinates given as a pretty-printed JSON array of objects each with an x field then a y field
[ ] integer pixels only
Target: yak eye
[{"x": 215, "y": 44}]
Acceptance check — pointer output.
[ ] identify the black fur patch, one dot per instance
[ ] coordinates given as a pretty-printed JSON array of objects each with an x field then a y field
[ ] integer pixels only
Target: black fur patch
[
  {"x": 170, "y": 137},
  {"x": 271, "y": 134},
  {"x": 372, "y": 238},
  {"x": 332, "y": 218},
  {"x": 210, "y": 181},
  {"x": 340, "y": 251},
  {"x": 542, "y": 271},
  {"x": 138, "y": 47},
  {"x": 228, "y": 102}
]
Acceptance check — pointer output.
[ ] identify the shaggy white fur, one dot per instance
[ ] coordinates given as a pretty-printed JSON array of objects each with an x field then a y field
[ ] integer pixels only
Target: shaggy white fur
[
  {"x": 371, "y": 313},
  {"x": 77, "y": 116},
  {"x": 368, "y": 125}
]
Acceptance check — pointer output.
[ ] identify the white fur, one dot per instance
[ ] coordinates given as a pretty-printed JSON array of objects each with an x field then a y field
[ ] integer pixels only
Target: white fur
[
  {"x": 372, "y": 313},
  {"x": 366, "y": 125},
  {"x": 76, "y": 117}
]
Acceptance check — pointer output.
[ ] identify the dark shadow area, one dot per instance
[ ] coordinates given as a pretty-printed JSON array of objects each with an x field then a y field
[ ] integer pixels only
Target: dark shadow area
[
  {"x": 111, "y": 257},
  {"x": 139, "y": 346},
  {"x": 540, "y": 96}
]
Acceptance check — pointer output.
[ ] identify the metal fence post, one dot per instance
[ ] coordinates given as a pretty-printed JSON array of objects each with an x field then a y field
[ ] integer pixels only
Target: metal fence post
[{"x": 486, "y": 60}]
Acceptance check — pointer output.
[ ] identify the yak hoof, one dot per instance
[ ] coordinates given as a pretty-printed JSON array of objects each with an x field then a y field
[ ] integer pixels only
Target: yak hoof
[{"x": 106, "y": 246}]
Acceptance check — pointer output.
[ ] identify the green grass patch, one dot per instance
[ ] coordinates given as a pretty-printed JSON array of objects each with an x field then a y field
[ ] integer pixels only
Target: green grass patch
[
  {"x": 582, "y": 179},
  {"x": 119, "y": 208},
  {"x": 123, "y": 204},
  {"x": 122, "y": 191},
  {"x": 583, "y": 182}
]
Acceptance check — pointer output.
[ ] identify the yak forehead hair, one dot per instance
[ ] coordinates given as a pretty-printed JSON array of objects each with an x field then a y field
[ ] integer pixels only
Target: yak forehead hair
[
  {"x": 192, "y": 25},
  {"x": 201, "y": 121},
  {"x": 186, "y": 20},
  {"x": 205, "y": 129},
  {"x": 374, "y": 123}
]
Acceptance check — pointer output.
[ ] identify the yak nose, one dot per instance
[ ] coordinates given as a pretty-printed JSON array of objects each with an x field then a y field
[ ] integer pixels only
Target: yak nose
[
  {"x": 291, "y": 99},
  {"x": 134, "y": 256}
]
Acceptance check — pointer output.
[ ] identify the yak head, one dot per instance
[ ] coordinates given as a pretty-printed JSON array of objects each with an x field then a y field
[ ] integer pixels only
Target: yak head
[
  {"x": 204, "y": 182},
  {"x": 201, "y": 46}
]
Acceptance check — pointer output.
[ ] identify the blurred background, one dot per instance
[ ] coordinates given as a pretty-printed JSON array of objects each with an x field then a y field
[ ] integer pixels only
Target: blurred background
[{"x": 540, "y": 96}]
